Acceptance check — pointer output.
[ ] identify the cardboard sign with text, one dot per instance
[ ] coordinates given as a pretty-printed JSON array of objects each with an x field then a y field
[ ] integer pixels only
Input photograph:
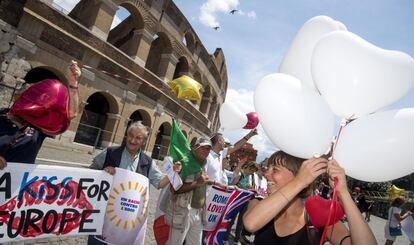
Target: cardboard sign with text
[
  {"x": 39, "y": 201},
  {"x": 126, "y": 213}
]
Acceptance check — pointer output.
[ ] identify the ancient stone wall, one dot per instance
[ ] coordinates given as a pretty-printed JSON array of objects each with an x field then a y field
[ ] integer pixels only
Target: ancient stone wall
[{"x": 13, "y": 68}]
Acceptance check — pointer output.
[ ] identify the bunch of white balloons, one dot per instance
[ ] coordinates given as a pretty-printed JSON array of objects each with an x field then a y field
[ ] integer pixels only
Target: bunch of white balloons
[{"x": 330, "y": 71}]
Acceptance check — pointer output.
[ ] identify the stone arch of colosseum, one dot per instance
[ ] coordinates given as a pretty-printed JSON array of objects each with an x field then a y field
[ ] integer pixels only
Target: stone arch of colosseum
[
  {"x": 127, "y": 35},
  {"x": 193, "y": 141},
  {"x": 140, "y": 115},
  {"x": 40, "y": 73},
  {"x": 190, "y": 41},
  {"x": 98, "y": 120},
  {"x": 213, "y": 109},
  {"x": 162, "y": 141},
  {"x": 205, "y": 100},
  {"x": 159, "y": 54},
  {"x": 181, "y": 68},
  {"x": 156, "y": 45}
]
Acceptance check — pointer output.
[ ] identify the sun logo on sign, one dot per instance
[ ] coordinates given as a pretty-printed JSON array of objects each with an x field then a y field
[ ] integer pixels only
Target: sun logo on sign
[{"x": 132, "y": 211}]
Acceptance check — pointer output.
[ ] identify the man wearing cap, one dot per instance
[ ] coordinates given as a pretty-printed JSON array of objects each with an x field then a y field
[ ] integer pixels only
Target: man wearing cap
[
  {"x": 45, "y": 108},
  {"x": 218, "y": 152},
  {"x": 185, "y": 213}
]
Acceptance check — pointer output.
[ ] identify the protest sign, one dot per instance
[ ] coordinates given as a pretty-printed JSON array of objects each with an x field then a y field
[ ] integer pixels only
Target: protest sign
[
  {"x": 216, "y": 204},
  {"x": 39, "y": 201},
  {"x": 174, "y": 178},
  {"x": 219, "y": 219},
  {"x": 126, "y": 213}
]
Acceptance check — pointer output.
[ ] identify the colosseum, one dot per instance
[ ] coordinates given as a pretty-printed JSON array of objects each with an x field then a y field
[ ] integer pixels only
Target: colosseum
[{"x": 125, "y": 69}]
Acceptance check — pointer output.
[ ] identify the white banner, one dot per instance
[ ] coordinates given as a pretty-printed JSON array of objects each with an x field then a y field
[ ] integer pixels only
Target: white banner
[
  {"x": 216, "y": 204},
  {"x": 126, "y": 213},
  {"x": 39, "y": 201}
]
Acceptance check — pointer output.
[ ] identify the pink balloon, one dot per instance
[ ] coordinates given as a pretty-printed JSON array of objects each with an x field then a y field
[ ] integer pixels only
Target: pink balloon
[
  {"x": 252, "y": 120},
  {"x": 45, "y": 105}
]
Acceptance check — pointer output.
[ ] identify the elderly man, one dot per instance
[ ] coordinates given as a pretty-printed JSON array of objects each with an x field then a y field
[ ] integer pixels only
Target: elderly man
[
  {"x": 130, "y": 156},
  {"x": 184, "y": 215}
]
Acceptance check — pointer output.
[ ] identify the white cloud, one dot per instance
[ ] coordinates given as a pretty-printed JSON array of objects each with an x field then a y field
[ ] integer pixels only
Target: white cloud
[
  {"x": 251, "y": 14},
  {"x": 210, "y": 9},
  {"x": 243, "y": 100}
]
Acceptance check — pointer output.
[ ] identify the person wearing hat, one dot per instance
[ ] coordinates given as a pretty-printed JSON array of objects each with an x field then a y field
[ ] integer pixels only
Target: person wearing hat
[
  {"x": 184, "y": 214},
  {"x": 44, "y": 109}
]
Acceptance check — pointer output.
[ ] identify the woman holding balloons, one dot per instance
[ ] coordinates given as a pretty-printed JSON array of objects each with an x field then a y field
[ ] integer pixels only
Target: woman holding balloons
[{"x": 281, "y": 218}]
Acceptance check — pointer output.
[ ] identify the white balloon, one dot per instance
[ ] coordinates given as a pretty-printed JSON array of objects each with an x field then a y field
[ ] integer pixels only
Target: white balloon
[
  {"x": 357, "y": 78},
  {"x": 378, "y": 147},
  {"x": 231, "y": 117},
  {"x": 297, "y": 61},
  {"x": 295, "y": 117}
]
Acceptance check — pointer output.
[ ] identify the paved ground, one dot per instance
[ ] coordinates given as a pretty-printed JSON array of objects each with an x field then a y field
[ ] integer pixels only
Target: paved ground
[
  {"x": 377, "y": 226},
  {"x": 77, "y": 156}
]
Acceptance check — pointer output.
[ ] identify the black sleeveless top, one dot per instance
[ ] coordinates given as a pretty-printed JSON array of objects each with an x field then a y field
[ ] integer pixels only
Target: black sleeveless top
[{"x": 267, "y": 235}]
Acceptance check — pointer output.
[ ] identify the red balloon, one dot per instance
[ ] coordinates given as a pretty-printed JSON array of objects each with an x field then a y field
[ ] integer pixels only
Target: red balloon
[
  {"x": 45, "y": 106},
  {"x": 318, "y": 211},
  {"x": 252, "y": 120}
]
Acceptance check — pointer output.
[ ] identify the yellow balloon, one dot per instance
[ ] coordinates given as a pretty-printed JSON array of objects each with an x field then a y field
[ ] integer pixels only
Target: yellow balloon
[
  {"x": 186, "y": 88},
  {"x": 394, "y": 192}
]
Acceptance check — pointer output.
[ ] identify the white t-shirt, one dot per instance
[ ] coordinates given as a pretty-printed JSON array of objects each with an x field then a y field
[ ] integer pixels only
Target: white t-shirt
[
  {"x": 259, "y": 183},
  {"x": 214, "y": 165},
  {"x": 229, "y": 176},
  {"x": 391, "y": 217}
]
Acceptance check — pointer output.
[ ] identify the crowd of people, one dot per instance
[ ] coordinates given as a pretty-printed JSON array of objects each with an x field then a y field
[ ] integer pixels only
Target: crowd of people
[{"x": 282, "y": 183}]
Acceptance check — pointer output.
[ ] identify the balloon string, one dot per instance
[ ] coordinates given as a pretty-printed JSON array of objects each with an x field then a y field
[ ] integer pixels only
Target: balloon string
[
  {"x": 333, "y": 146},
  {"x": 343, "y": 124},
  {"x": 333, "y": 206},
  {"x": 331, "y": 209}
]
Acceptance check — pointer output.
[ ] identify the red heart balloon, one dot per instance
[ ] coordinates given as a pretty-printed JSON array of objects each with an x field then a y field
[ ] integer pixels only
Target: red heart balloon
[
  {"x": 252, "y": 120},
  {"x": 45, "y": 105},
  {"x": 318, "y": 211}
]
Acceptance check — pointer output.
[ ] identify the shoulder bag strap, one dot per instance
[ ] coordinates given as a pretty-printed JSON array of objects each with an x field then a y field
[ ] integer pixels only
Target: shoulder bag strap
[{"x": 311, "y": 231}]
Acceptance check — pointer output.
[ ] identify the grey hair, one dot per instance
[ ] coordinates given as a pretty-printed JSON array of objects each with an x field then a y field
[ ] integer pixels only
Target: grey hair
[{"x": 140, "y": 126}]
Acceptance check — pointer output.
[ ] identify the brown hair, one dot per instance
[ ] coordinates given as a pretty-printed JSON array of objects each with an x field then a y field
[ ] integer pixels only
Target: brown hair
[
  {"x": 293, "y": 164},
  {"x": 251, "y": 165},
  {"x": 397, "y": 202}
]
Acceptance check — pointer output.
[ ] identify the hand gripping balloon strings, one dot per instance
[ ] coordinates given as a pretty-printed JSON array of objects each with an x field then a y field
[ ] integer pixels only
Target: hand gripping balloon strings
[{"x": 331, "y": 214}]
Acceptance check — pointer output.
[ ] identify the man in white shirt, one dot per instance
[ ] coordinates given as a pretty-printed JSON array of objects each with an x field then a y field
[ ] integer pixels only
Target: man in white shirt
[{"x": 214, "y": 166}]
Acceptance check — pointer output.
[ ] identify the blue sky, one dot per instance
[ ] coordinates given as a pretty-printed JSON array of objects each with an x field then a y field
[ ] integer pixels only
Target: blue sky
[
  {"x": 254, "y": 47},
  {"x": 257, "y": 36}
]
